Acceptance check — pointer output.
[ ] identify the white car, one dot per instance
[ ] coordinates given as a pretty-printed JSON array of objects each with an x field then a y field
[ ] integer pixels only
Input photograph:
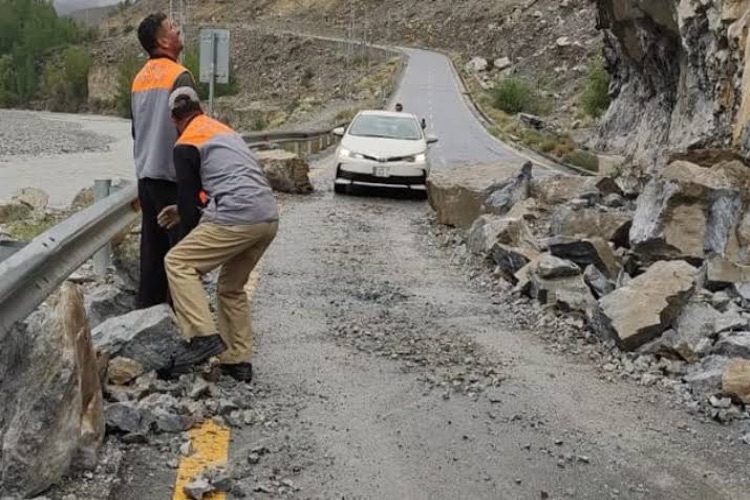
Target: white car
[{"x": 383, "y": 149}]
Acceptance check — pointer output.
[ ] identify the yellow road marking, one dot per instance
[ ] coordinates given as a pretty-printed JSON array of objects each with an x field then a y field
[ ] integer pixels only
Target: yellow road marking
[
  {"x": 210, "y": 441},
  {"x": 210, "y": 446}
]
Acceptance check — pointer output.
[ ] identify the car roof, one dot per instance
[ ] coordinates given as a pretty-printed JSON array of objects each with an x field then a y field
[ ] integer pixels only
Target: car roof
[{"x": 390, "y": 114}]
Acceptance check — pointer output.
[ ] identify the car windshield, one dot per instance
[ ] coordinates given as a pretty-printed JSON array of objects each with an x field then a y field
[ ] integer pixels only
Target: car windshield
[{"x": 389, "y": 127}]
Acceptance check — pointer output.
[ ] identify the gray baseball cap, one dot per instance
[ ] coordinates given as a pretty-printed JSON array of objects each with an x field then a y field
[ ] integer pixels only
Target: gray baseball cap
[{"x": 183, "y": 92}]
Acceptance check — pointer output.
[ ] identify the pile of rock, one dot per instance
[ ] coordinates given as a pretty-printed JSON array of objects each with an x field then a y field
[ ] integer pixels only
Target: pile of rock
[{"x": 665, "y": 274}]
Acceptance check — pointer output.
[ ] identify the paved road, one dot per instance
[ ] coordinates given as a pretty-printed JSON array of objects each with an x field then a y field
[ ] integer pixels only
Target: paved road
[
  {"x": 430, "y": 90},
  {"x": 383, "y": 372}
]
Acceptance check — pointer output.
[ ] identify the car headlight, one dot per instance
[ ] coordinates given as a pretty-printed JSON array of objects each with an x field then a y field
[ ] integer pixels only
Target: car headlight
[
  {"x": 420, "y": 158},
  {"x": 346, "y": 153}
]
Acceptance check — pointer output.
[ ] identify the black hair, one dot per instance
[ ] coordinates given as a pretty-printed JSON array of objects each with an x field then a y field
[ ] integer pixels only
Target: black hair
[
  {"x": 185, "y": 107},
  {"x": 148, "y": 31}
]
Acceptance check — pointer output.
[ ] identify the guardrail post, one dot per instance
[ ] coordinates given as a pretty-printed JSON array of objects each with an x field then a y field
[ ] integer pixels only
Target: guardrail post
[
  {"x": 103, "y": 257},
  {"x": 297, "y": 148},
  {"x": 309, "y": 148}
]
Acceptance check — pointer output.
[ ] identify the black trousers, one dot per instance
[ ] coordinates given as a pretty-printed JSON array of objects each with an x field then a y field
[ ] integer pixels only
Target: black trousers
[{"x": 154, "y": 195}]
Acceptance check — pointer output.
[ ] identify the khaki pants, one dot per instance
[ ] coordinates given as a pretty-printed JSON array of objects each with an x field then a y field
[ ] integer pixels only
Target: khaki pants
[{"x": 237, "y": 249}]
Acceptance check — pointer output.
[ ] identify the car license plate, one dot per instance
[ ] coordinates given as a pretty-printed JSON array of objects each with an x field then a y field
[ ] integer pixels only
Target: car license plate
[{"x": 380, "y": 171}]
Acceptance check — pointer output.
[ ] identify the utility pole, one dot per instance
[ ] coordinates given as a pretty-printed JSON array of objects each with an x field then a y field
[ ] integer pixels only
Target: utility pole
[{"x": 178, "y": 14}]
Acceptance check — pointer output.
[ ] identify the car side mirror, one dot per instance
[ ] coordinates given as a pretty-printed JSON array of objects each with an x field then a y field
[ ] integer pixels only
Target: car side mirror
[
  {"x": 431, "y": 139},
  {"x": 424, "y": 124},
  {"x": 339, "y": 131}
]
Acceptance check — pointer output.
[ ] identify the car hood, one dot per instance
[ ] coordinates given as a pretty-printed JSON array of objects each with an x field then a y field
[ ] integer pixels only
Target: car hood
[{"x": 378, "y": 147}]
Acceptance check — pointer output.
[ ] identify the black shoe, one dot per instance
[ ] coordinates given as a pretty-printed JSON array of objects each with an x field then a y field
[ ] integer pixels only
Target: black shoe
[
  {"x": 241, "y": 372},
  {"x": 197, "y": 351}
]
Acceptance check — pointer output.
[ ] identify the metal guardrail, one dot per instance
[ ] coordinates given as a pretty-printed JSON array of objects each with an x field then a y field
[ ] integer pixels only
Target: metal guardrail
[
  {"x": 31, "y": 274},
  {"x": 303, "y": 144}
]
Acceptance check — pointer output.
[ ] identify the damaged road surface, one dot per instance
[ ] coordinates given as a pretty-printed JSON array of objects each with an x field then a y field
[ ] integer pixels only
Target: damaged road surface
[{"x": 383, "y": 371}]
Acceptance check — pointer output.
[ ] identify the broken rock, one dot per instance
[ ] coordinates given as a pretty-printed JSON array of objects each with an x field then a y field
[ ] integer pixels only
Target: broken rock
[
  {"x": 596, "y": 280},
  {"x": 736, "y": 380},
  {"x": 125, "y": 417},
  {"x": 123, "y": 370},
  {"x": 591, "y": 222},
  {"x": 108, "y": 301},
  {"x": 36, "y": 199},
  {"x": 690, "y": 212},
  {"x": 148, "y": 336},
  {"x": 490, "y": 229},
  {"x": 504, "y": 196},
  {"x": 285, "y": 171},
  {"x": 734, "y": 346},
  {"x": 50, "y": 395},
  {"x": 648, "y": 305},
  {"x": 722, "y": 273},
  {"x": 511, "y": 260},
  {"x": 551, "y": 267},
  {"x": 594, "y": 251},
  {"x": 457, "y": 195},
  {"x": 560, "y": 188},
  {"x": 706, "y": 377}
]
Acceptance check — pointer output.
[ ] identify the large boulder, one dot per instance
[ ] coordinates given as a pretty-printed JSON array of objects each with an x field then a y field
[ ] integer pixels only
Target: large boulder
[
  {"x": 108, "y": 301},
  {"x": 555, "y": 282},
  {"x": 722, "y": 273},
  {"x": 591, "y": 222},
  {"x": 505, "y": 195},
  {"x": 489, "y": 230},
  {"x": 736, "y": 380},
  {"x": 285, "y": 171},
  {"x": 510, "y": 260},
  {"x": 34, "y": 198},
  {"x": 458, "y": 195},
  {"x": 697, "y": 326},
  {"x": 645, "y": 307},
  {"x": 147, "y": 336},
  {"x": 594, "y": 251},
  {"x": 690, "y": 212},
  {"x": 560, "y": 188},
  {"x": 50, "y": 395}
]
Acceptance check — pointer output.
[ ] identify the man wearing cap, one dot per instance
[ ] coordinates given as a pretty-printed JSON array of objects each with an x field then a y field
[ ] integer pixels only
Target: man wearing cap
[
  {"x": 235, "y": 228},
  {"x": 154, "y": 136}
]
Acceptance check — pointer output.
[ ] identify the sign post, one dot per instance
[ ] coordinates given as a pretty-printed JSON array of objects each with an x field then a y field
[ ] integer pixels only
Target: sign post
[{"x": 214, "y": 61}]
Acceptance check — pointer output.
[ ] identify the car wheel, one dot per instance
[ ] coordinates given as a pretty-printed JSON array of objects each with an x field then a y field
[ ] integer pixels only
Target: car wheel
[{"x": 339, "y": 188}]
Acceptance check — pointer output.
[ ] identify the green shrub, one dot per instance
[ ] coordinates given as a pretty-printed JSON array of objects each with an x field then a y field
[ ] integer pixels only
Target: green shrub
[
  {"x": 515, "y": 95},
  {"x": 583, "y": 159},
  {"x": 258, "y": 124},
  {"x": 595, "y": 99}
]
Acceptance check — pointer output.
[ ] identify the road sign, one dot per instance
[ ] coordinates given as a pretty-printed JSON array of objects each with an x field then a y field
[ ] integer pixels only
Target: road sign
[
  {"x": 214, "y": 50},
  {"x": 214, "y": 61}
]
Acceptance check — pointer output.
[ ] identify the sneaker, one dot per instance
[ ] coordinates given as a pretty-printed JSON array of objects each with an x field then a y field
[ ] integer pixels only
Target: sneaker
[
  {"x": 241, "y": 372},
  {"x": 197, "y": 351}
]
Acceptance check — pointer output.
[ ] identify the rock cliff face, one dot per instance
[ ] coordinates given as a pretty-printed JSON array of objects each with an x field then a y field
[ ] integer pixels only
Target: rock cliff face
[{"x": 677, "y": 68}]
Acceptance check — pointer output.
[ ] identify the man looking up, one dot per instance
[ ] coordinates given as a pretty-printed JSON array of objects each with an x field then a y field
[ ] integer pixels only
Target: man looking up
[
  {"x": 235, "y": 229},
  {"x": 154, "y": 136}
]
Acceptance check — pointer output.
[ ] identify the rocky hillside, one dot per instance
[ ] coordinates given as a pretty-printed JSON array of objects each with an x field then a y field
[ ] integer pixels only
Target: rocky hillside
[
  {"x": 278, "y": 80},
  {"x": 678, "y": 76},
  {"x": 547, "y": 42}
]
